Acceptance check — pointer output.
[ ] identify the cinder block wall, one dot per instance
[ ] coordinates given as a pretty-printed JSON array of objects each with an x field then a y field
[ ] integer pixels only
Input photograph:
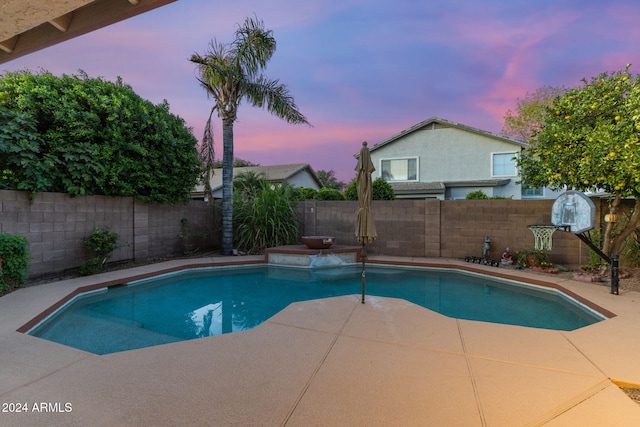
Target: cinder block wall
[
  {"x": 448, "y": 228},
  {"x": 164, "y": 225},
  {"x": 55, "y": 225},
  {"x": 465, "y": 223}
]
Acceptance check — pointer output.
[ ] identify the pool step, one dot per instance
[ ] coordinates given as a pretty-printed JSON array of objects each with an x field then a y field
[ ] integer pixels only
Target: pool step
[{"x": 102, "y": 335}]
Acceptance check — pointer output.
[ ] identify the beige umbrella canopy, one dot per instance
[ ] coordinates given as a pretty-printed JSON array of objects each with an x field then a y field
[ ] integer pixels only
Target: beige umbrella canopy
[{"x": 365, "y": 227}]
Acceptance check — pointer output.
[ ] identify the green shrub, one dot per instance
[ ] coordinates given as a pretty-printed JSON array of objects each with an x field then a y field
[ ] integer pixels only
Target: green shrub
[
  {"x": 80, "y": 135},
  {"x": 476, "y": 195},
  {"x": 14, "y": 261},
  {"x": 102, "y": 243},
  {"x": 303, "y": 193},
  {"x": 382, "y": 190},
  {"x": 479, "y": 195},
  {"x": 350, "y": 191},
  {"x": 328, "y": 194},
  {"x": 528, "y": 258},
  {"x": 264, "y": 219}
]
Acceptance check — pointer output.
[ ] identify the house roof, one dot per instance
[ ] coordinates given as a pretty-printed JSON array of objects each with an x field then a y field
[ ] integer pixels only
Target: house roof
[
  {"x": 30, "y": 25},
  {"x": 422, "y": 187},
  {"x": 479, "y": 183},
  {"x": 437, "y": 187},
  {"x": 436, "y": 122},
  {"x": 417, "y": 189},
  {"x": 274, "y": 173}
]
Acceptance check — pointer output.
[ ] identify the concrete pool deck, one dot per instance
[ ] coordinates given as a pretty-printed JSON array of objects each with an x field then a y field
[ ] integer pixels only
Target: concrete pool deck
[{"x": 331, "y": 362}]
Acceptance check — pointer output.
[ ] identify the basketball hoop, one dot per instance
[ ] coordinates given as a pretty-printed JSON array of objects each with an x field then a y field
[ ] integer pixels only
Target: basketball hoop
[{"x": 542, "y": 235}]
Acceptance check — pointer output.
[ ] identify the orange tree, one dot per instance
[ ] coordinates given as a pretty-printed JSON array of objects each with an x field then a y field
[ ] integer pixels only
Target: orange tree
[{"x": 589, "y": 141}]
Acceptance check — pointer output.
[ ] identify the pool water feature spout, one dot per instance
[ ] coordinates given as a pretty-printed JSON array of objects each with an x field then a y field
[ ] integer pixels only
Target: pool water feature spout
[{"x": 322, "y": 260}]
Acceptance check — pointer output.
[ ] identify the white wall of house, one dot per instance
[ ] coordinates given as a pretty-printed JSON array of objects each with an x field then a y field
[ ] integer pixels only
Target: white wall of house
[
  {"x": 447, "y": 154},
  {"x": 443, "y": 159},
  {"x": 451, "y": 154}
]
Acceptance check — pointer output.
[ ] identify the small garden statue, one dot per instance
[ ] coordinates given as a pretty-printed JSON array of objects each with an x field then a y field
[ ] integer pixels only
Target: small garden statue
[
  {"x": 486, "y": 247},
  {"x": 507, "y": 259}
]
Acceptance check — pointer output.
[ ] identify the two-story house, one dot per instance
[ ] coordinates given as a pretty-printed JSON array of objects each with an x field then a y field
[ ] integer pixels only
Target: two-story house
[{"x": 441, "y": 159}]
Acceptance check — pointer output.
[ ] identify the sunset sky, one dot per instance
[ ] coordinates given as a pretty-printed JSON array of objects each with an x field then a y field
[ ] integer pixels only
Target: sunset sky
[{"x": 360, "y": 70}]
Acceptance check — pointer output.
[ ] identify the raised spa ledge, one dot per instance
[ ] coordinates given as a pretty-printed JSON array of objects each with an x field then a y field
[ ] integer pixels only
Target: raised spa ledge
[{"x": 302, "y": 256}]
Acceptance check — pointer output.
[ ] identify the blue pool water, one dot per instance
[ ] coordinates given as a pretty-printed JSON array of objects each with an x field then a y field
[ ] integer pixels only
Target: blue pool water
[{"x": 204, "y": 302}]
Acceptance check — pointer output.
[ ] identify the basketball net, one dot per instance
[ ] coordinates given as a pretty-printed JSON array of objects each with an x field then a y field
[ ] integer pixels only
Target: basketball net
[{"x": 542, "y": 235}]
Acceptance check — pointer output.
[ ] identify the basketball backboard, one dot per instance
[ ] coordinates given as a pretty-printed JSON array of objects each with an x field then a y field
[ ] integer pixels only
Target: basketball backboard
[{"x": 575, "y": 210}]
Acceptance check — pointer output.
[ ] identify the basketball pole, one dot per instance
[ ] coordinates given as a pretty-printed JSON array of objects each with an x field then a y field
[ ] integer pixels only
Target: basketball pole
[{"x": 612, "y": 261}]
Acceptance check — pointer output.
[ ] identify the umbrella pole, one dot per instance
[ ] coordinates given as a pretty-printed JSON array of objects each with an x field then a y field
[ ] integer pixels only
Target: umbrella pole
[{"x": 363, "y": 256}]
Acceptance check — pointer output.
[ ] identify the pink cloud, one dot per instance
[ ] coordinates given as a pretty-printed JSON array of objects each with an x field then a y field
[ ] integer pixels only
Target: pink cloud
[{"x": 522, "y": 58}]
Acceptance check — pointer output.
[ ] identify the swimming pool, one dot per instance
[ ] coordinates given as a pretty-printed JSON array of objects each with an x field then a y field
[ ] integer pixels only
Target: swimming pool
[{"x": 203, "y": 302}]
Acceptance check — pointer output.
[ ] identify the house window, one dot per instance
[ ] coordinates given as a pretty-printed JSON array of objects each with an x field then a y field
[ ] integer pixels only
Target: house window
[
  {"x": 504, "y": 164},
  {"x": 531, "y": 191},
  {"x": 400, "y": 169}
]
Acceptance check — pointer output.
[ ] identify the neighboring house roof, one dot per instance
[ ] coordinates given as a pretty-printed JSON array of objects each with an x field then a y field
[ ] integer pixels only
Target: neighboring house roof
[
  {"x": 426, "y": 189},
  {"x": 438, "y": 122},
  {"x": 417, "y": 189},
  {"x": 478, "y": 183},
  {"x": 274, "y": 173}
]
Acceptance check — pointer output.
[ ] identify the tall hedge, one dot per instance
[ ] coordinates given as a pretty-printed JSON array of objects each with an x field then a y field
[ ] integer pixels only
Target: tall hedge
[{"x": 81, "y": 136}]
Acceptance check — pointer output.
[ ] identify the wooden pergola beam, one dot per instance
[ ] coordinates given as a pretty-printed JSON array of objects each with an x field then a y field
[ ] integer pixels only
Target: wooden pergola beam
[
  {"x": 9, "y": 44},
  {"x": 63, "y": 22}
]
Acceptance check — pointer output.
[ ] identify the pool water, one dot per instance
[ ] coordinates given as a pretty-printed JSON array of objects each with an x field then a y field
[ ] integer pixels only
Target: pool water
[{"x": 204, "y": 302}]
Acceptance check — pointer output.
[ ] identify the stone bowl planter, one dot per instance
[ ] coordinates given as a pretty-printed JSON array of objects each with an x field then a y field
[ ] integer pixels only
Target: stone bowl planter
[{"x": 318, "y": 242}]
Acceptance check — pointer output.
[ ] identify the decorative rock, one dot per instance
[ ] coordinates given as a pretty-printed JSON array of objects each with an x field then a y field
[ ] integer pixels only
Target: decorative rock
[
  {"x": 548, "y": 270},
  {"x": 586, "y": 277}
]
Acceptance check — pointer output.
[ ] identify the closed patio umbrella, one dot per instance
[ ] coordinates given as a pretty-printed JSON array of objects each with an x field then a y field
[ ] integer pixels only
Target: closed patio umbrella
[{"x": 365, "y": 227}]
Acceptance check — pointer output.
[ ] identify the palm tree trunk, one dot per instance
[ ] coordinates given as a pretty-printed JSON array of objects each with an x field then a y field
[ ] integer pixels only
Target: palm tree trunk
[{"x": 227, "y": 187}]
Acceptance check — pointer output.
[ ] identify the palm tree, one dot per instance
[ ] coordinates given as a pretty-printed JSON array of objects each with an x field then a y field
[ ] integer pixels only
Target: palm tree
[
  {"x": 230, "y": 73},
  {"x": 249, "y": 182}
]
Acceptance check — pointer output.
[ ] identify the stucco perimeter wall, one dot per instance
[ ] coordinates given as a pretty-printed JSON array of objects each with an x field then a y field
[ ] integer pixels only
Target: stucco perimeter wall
[
  {"x": 55, "y": 225},
  {"x": 444, "y": 228}
]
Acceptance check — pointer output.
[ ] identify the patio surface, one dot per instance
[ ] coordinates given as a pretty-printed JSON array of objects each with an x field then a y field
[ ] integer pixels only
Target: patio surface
[{"x": 331, "y": 362}]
